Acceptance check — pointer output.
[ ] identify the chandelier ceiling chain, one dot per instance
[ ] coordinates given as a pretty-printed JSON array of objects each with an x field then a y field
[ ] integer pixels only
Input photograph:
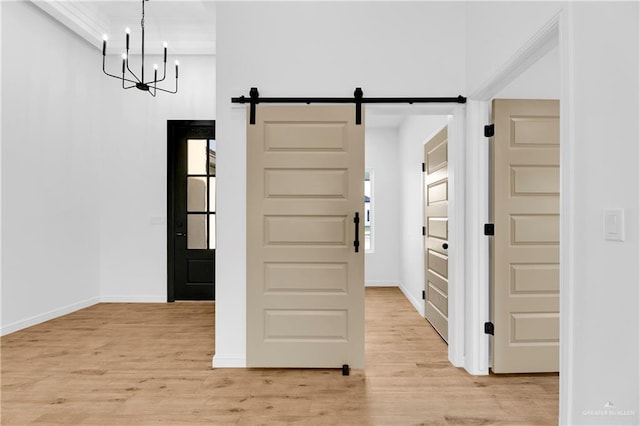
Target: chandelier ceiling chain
[{"x": 139, "y": 83}]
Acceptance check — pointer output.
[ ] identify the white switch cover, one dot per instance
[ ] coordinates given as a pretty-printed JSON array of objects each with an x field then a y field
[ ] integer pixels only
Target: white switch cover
[{"x": 614, "y": 224}]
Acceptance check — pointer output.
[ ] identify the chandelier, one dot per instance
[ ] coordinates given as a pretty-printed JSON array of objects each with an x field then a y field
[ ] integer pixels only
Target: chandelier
[{"x": 150, "y": 86}]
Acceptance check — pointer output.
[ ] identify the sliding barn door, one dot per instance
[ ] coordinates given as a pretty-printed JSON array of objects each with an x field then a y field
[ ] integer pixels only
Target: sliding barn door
[
  {"x": 305, "y": 280},
  {"x": 526, "y": 273}
]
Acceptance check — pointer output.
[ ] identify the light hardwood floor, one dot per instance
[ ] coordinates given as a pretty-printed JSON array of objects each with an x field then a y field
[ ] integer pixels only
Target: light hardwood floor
[{"x": 144, "y": 364}]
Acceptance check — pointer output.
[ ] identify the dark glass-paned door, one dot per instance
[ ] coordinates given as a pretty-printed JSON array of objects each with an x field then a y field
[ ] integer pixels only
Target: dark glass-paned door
[{"x": 192, "y": 210}]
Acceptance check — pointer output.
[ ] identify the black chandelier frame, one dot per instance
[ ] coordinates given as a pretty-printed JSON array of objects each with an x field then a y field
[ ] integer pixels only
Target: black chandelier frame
[{"x": 138, "y": 82}]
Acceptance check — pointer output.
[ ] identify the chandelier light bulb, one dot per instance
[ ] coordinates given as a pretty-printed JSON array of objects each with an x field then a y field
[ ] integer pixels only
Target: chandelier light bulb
[
  {"x": 165, "y": 44},
  {"x": 128, "y": 30},
  {"x": 155, "y": 66},
  {"x": 124, "y": 56},
  {"x": 177, "y": 63},
  {"x": 105, "y": 37}
]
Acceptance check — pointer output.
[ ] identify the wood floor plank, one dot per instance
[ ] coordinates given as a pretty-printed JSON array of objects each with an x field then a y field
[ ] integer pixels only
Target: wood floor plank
[{"x": 143, "y": 364}]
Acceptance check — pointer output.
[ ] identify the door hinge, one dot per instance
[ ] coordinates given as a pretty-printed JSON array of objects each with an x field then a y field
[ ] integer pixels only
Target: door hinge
[
  {"x": 424, "y": 296},
  {"x": 424, "y": 231},
  {"x": 488, "y": 328},
  {"x": 489, "y": 130},
  {"x": 424, "y": 169},
  {"x": 489, "y": 229}
]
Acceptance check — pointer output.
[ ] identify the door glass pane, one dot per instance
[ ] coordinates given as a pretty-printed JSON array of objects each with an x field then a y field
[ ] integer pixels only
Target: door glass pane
[
  {"x": 212, "y": 194},
  {"x": 196, "y": 231},
  {"x": 368, "y": 177},
  {"x": 212, "y": 231},
  {"x": 212, "y": 157},
  {"x": 197, "y": 194},
  {"x": 197, "y": 156}
]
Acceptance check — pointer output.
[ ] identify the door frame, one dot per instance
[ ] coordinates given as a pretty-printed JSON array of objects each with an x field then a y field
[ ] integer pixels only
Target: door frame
[
  {"x": 172, "y": 127},
  {"x": 477, "y": 360}
]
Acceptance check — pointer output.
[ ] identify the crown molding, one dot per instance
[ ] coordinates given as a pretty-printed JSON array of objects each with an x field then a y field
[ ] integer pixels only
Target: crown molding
[
  {"x": 88, "y": 24},
  {"x": 539, "y": 45}
]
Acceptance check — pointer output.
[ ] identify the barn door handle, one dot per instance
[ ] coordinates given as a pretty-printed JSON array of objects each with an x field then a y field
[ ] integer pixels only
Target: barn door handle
[
  {"x": 180, "y": 234},
  {"x": 356, "y": 242}
]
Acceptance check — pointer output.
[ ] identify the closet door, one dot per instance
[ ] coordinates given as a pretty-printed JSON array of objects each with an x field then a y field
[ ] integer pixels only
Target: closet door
[{"x": 525, "y": 269}]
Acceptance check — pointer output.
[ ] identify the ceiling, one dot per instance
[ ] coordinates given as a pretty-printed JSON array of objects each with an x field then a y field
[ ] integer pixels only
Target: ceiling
[{"x": 188, "y": 26}]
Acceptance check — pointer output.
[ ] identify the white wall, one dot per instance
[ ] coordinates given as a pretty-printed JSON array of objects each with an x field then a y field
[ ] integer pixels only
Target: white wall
[
  {"x": 541, "y": 81},
  {"x": 133, "y": 178},
  {"x": 1, "y": 321},
  {"x": 600, "y": 109},
  {"x": 285, "y": 49},
  {"x": 381, "y": 157},
  {"x": 51, "y": 104},
  {"x": 84, "y": 172},
  {"x": 604, "y": 96},
  {"x": 414, "y": 132}
]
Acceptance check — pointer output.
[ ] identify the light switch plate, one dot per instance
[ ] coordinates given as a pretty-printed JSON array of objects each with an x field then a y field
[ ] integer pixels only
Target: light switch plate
[
  {"x": 613, "y": 224},
  {"x": 157, "y": 220}
]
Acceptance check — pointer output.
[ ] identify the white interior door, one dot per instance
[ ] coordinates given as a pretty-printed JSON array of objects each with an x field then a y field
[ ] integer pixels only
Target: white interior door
[
  {"x": 436, "y": 238},
  {"x": 525, "y": 265},
  {"x": 305, "y": 280}
]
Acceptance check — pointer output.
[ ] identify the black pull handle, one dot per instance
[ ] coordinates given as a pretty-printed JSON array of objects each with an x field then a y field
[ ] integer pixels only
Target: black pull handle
[
  {"x": 356, "y": 242},
  {"x": 180, "y": 234},
  {"x": 445, "y": 246}
]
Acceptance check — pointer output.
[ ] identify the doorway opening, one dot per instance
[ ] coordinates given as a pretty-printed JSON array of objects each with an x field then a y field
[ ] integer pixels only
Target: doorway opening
[{"x": 395, "y": 138}]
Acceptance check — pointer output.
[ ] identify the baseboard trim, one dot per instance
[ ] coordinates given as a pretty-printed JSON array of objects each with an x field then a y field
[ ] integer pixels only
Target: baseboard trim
[
  {"x": 417, "y": 304},
  {"x": 52, "y": 314},
  {"x": 228, "y": 362},
  {"x": 133, "y": 299},
  {"x": 380, "y": 284}
]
